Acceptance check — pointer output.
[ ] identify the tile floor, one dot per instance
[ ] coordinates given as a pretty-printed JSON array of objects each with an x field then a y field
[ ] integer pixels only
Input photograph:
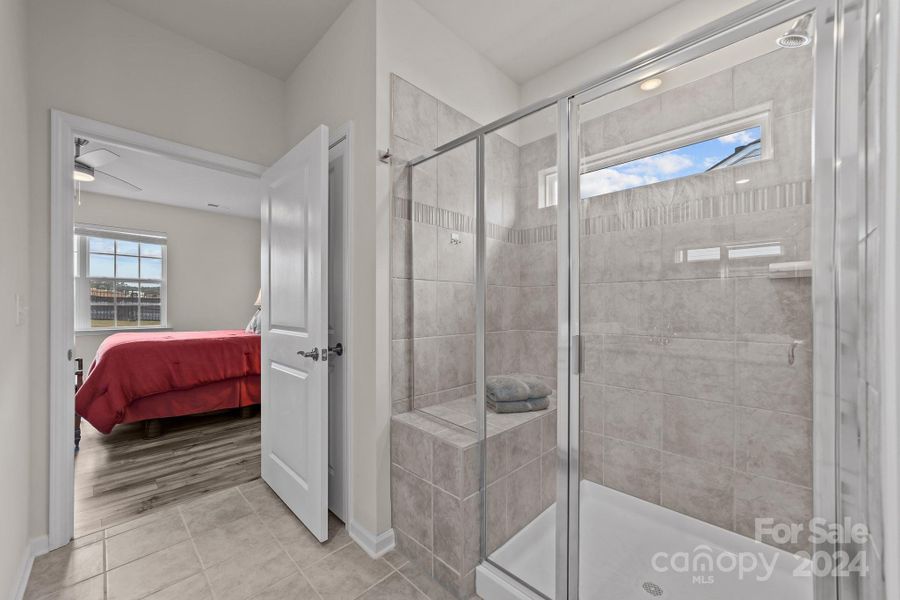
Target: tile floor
[{"x": 238, "y": 544}]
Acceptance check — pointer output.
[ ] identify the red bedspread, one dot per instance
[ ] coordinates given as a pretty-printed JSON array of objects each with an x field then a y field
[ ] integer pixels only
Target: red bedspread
[{"x": 132, "y": 366}]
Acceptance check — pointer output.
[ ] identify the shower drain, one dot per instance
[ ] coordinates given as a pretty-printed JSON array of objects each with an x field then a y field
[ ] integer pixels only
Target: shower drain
[{"x": 652, "y": 589}]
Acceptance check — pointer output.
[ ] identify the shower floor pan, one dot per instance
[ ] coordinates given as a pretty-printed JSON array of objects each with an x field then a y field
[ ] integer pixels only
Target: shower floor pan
[{"x": 620, "y": 536}]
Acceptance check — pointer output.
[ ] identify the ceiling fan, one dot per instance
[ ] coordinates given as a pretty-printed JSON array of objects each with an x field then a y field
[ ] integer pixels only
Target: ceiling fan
[{"x": 87, "y": 164}]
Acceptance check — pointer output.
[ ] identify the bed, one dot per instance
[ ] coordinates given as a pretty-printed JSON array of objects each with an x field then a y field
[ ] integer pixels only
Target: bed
[{"x": 147, "y": 376}]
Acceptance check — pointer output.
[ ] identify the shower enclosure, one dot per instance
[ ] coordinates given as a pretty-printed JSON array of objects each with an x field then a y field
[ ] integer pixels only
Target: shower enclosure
[{"x": 659, "y": 247}]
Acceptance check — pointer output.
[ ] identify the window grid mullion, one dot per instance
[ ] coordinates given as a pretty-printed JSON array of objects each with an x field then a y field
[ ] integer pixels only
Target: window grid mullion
[{"x": 116, "y": 280}]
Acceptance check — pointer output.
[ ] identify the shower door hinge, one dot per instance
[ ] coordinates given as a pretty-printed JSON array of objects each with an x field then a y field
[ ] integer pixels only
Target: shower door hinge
[{"x": 577, "y": 355}]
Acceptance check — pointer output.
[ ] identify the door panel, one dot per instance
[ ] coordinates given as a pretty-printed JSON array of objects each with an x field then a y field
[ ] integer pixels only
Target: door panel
[
  {"x": 288, "y": 236},
  {"x": 295, "y": 318},
  {"x": 289, "y": 389}
]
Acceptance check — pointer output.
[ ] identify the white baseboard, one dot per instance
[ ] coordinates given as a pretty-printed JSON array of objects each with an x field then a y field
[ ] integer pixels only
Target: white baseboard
[
  {"x": 36, "y": 547},
  {"x": 375, "y": 546}
]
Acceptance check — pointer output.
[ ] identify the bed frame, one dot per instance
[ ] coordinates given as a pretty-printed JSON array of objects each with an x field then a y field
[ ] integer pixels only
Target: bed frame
[{"x": 152, "y": 427}]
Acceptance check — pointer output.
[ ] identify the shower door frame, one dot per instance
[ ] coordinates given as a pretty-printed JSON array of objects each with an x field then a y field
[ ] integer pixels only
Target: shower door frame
[{"x": 834, "y": 60}]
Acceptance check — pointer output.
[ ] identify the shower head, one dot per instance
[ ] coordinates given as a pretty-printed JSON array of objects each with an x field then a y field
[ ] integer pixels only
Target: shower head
[{"x": 798, "y": 35}]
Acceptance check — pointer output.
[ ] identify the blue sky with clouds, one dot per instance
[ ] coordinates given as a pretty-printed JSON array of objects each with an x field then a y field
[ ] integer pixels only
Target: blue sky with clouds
[{"x": 680, "y": 162}]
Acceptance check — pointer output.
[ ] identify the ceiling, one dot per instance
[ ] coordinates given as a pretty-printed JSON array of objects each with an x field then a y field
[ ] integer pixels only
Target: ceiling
[
  {"x": 271, "y": 35},
  {"x": 524, "y": 38},
  {"x": 168, "y": 181}
]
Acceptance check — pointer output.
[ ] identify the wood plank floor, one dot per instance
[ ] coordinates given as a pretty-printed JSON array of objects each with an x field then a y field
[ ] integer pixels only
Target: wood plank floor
[{"x": 121, "y": 475}]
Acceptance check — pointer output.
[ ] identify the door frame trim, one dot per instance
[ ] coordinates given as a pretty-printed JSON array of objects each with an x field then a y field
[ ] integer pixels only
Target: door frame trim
[{"x": 64, "y": 127}]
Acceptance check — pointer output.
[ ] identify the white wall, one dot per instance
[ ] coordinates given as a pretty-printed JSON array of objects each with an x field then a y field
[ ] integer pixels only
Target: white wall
[
  {"x": 15, "y": 395},
  {"x": 653, "y": 33},
  {"x": 89, "y": 58},
  {"x": 212, "y": 261},
  {"x": 333, "y": 85}
]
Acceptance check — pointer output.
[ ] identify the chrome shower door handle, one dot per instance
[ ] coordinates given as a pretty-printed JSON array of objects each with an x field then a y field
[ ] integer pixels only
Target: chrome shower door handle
[{"x": 313, "y": 354}]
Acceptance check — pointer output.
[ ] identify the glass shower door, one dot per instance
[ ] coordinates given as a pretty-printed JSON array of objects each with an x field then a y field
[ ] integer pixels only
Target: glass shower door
[
  {"x": 521, "y": 340},
  {"x": 693, "y": 302}
]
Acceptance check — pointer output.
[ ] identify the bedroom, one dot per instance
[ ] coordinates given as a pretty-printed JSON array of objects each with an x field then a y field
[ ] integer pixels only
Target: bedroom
[{"x": 165, "y": 252}]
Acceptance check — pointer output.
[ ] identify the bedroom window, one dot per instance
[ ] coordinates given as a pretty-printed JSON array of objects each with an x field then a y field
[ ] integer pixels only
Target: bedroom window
[{"x": 120, "y": 279}]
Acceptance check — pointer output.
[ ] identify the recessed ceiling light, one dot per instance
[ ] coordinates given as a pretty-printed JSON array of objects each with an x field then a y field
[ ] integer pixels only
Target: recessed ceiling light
[
  {"x": 742, "y": 181},
  {"x": 651, "y": 84}
]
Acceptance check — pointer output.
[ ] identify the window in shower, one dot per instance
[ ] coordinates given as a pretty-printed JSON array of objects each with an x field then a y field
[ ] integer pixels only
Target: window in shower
[{"x": 736, "y": 140}]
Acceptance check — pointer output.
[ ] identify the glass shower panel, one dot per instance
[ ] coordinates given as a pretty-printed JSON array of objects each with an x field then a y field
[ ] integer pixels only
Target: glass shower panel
[
  {"x": 443, "y": 286},
  {"x": 521, "y": 318},
  {"x": 694, "y": 293}
]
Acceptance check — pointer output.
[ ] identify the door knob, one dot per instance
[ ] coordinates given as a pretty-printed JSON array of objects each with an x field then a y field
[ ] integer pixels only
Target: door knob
[
  {"x": 337, "y": 349},
  {"x": 313, "y": 354}
]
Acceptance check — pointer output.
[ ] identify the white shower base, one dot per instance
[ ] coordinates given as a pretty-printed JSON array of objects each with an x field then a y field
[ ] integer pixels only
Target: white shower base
[{"x": 619, "y": 537}]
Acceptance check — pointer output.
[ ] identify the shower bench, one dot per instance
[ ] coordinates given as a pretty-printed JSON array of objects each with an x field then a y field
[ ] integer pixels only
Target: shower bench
[{"x": 436, "y": 481}]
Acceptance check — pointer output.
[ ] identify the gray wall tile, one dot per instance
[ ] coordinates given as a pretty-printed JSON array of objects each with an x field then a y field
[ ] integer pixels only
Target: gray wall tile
[
  {"x": 697, "y": 368},
  {"x": 698, "y": 489},
  {"x": 414, "y": 115},
  {"x": 699, "y": 429},
  {"x": 632, "y": 469},
  {"x": 633, "y": 415},
  {"x": 775, "y": 445},
  {"x": 764, "y": 377},
  {"x": 411, "y": 448},
  {"x": 760, "y": 497},
  {"x": 411, "y": 505},
  {"x": 773, "y": 310}
]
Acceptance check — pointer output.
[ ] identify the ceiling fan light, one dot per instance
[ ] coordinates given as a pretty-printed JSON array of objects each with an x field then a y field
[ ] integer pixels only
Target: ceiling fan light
[{"x": 82, "y": 173}]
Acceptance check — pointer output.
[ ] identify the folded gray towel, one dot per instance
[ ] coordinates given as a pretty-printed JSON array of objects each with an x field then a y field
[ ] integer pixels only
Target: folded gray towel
[
  {"x": 505, "y": 388},
  {"x": 517, "y": 406},
  {"x": 536, "y": 387}
]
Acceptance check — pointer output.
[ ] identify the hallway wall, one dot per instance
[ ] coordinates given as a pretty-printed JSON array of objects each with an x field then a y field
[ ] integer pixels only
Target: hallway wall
[
  {"x": 14, "y": 390},
  {"x": 131, "y": 73}
]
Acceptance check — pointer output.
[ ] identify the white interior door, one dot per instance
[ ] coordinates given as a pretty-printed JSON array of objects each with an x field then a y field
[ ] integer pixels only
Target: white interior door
[{"x": 294, "y": 321}]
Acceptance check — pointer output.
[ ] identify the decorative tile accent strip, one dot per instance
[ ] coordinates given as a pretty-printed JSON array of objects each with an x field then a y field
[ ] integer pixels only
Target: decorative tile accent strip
[
  {"x": 536, "y": 235},
  {"x": 403, "y": 208},
  {"x": 773, "y": 197}
]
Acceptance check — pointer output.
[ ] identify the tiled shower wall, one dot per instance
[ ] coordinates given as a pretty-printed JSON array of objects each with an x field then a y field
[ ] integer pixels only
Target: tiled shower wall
[
  {"x": 433, "y": 291},
  {"x": 690, "y": 398}
]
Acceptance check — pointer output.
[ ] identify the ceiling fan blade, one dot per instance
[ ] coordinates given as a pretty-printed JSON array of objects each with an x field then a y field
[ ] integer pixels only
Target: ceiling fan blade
[
  {"x": 97, "y": 158},
  {"x": 128, "y": 183}
]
